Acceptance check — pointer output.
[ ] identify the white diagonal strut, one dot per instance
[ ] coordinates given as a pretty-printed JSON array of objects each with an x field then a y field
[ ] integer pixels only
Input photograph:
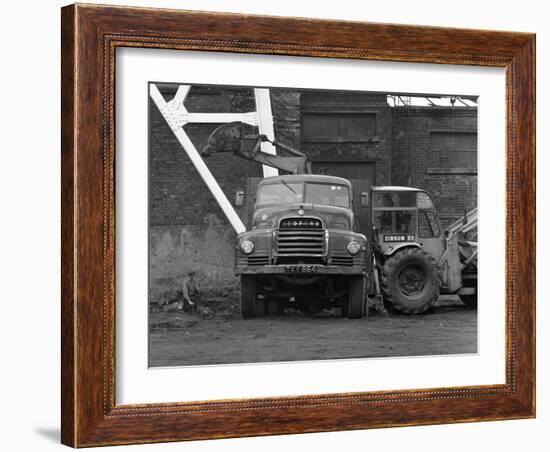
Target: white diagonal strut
[
  {"x": 265, "y": 126},
  {"x": 171, "y": 113}
]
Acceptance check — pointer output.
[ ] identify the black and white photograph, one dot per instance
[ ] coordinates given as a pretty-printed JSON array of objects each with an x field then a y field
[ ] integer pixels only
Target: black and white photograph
[{"x": 292, "y": 224}]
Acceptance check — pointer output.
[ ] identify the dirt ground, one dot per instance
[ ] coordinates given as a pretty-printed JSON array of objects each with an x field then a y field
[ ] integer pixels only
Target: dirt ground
[{"x": 181, "y": 338}]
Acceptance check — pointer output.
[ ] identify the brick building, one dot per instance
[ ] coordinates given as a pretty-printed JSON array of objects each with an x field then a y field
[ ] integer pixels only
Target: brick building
[{"x": 349, "y": 134}]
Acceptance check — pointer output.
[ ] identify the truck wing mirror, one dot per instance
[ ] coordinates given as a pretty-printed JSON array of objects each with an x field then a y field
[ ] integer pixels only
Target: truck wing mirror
[
  {"x": 364, "y": 199},
  {"x": 239, "y": 198}
]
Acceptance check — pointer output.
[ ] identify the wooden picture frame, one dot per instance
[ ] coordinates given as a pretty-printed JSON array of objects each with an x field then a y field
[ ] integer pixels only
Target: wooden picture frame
[{"x": 90, "y": 36}]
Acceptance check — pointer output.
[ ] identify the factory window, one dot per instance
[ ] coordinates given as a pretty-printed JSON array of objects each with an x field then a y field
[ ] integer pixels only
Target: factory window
[
  {"x": 453, "y": 149},
  {"x": 338, "y": 127}
]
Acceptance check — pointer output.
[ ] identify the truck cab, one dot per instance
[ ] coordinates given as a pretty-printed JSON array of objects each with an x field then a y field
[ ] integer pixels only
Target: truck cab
[{"x": 302, "y": 249}]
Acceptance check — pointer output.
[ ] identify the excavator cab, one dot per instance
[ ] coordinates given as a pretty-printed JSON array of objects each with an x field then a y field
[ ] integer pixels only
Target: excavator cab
[{"x": 404, "y": 216}]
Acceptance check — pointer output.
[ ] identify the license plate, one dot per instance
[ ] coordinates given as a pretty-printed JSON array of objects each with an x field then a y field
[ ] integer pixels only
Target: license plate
[
  {"x": 399, "y": 238},
  {"x": 301, "y": 268}
]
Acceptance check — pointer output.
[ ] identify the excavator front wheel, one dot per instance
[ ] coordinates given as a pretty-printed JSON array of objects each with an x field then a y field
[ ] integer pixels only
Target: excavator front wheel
[{"x": 410, "y": 281}]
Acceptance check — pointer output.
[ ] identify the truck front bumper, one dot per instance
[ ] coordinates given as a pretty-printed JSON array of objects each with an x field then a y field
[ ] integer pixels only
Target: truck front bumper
[{"x": 299, "y": 270}]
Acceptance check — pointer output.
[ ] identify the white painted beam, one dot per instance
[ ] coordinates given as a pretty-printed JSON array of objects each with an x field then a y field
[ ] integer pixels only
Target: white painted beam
[
  {"x": 248, "y": 118},
  {"x": 181, "y": 94},
  {"x": 265, "y": 126}
]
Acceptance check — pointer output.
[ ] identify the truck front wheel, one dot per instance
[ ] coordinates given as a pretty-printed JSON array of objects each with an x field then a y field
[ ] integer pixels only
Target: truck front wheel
[
  {"x": 248, "y": 296},
  {"x": 356, "y": 297},
  {"x": 410, "y": 281}
]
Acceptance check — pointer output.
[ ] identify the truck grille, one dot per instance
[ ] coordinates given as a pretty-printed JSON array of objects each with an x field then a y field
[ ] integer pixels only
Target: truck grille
[{"x": 300, "y": 236}]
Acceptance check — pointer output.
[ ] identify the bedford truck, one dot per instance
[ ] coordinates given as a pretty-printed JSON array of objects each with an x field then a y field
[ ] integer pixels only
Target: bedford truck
[{"x": 302, "y": 249}]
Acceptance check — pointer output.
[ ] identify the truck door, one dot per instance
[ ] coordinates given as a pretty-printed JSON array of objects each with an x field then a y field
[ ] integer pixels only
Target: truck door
[{"x": 247, "y": 209}]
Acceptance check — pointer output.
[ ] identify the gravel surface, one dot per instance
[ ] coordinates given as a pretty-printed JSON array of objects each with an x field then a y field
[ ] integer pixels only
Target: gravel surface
[{"x": 177, "y": 338}]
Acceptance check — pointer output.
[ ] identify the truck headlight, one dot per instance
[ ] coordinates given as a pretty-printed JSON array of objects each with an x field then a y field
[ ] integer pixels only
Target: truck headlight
[
  {"x": 353, "y": 247},
  {"x": 247, "y": 246}
]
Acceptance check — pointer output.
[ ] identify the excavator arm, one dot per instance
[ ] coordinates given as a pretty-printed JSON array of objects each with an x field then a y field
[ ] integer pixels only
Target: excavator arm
[
  {"x": 230, "y": 137},
  {"x": 460, "y": 256}
]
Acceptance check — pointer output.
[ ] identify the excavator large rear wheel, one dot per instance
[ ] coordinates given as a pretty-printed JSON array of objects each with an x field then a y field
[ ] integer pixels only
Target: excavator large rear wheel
[{"x": 410, "y": 281}]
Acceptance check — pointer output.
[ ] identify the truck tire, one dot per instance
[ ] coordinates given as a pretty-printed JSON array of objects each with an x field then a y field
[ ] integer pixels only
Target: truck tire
[
  {"x": 248, "y": 296},
  {"x": 356, "y": 297},
  {"x": 410, "y": 281}
]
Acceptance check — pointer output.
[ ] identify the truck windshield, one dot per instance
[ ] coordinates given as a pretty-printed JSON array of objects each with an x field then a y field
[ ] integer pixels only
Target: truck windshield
[
  {"x": 281, "y": 193},
  {"x": 296, "y": 192},
  {"x": 327, "y": 194}
]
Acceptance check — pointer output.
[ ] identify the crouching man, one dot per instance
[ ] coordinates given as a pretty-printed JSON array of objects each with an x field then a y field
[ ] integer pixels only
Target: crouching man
[{"x": 191, "y": 289}]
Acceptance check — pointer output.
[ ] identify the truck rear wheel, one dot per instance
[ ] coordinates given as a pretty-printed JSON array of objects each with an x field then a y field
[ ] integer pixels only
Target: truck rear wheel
[
  {"x": 248, "y": 296},
  {"x": 356, "y": 297},
  {"x": 410, "y": 281}
]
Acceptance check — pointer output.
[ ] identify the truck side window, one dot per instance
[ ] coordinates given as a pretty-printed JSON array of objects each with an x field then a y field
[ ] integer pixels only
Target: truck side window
[{"x": 427, "y": 224}]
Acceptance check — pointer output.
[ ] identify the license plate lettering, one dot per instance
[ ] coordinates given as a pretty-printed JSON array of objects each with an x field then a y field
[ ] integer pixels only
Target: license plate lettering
[
  {"x": 399, "y": 238},
  {"x": 301, "y": 268}
]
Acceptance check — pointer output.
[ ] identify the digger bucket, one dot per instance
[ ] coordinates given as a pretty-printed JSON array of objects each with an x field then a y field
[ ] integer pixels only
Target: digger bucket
[{"x": 225, "y": 138}]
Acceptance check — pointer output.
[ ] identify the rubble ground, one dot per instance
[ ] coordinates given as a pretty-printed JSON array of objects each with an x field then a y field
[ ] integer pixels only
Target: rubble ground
[{"x": 220, "y": 336}]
